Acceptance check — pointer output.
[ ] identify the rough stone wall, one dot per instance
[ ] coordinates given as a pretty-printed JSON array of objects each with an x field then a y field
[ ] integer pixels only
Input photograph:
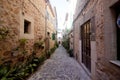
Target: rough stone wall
[
  {"x": 11, "y": 12},
  {"x": 76, "y": 40},
  {"x": 50, "y": 28},
  {"x": 36, "y": 10},
  {"x": 105, "y": 48},
  {"x": 50, "y": 25},
  {"x": 9, "y": 19}
]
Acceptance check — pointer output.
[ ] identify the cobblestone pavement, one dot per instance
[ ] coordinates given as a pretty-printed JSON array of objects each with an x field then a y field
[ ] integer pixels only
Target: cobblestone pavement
[{"x": 60, "y": 67}]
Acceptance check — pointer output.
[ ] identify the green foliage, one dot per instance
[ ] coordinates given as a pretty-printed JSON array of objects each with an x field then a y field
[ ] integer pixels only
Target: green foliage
[
  {"x": 56, "y": 44},
  {"x": 21, "y": 71},
  {"x": 3, "y": 33},
  {"x": 42, "y": 58},
  {"x": 65, "y": 44},
  {"x": 38, "y": 44},
  {"x": 23, "y": 41},
  {"x": 51, "y": 51},
  {"x": 3, "y": 70}
]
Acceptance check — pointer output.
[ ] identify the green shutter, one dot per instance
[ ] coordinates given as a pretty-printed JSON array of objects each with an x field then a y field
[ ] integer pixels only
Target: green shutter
[{"x": 53, "y": 36}]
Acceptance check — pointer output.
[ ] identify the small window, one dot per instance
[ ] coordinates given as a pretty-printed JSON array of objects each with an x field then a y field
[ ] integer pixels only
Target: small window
[
  {"x": 27, "y": 26},
  {"x": 48, "y": 33}
]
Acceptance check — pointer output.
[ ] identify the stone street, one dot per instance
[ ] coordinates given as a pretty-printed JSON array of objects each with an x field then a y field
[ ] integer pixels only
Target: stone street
[{"x": 60, "y": 67}]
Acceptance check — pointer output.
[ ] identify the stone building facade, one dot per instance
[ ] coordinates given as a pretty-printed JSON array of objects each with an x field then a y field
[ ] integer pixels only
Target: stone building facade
[
  {"x": 70, "y": 35},
  {"x": 22, "y": 24},
  {"x": 96, "y": 40},
  {"x": 50, "y": 25}
]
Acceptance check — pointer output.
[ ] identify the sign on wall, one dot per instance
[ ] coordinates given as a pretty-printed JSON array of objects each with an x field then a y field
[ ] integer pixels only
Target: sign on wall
[{"x": 118, "y": 21}]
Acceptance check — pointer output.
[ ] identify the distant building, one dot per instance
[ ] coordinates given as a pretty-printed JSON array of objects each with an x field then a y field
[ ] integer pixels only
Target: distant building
[
  {"x": 68, "y": 23},
  {"x": 50, "y": 26},
  {"x": 56, "y": 22}
]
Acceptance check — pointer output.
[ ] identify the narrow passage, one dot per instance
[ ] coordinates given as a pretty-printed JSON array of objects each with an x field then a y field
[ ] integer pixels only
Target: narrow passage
[{"x": 60, "y": 67}]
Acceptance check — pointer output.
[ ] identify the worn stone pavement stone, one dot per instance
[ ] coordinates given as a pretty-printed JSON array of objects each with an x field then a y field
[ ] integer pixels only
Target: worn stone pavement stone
[{"x": 60, "y": 67}]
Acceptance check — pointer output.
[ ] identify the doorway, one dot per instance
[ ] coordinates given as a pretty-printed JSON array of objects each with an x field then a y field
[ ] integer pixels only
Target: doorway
[
  {"x": 86, "y": 45},
  {"x": 116, "y": 10}
]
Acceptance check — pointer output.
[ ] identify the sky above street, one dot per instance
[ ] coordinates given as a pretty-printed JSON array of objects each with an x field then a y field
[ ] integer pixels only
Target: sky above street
[{"x": 61, "y": 7}]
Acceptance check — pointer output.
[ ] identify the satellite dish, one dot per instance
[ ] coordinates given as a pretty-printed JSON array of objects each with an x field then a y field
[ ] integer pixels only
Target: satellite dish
[{"x": 118, "y": 21}]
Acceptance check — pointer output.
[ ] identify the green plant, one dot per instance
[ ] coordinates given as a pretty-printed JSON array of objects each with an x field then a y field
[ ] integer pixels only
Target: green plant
[
  {"x": 3, "y": 33},
  {"x": 23, "y": 41},
  {"x": 21, "y": 71},
  {"x": 53, "y": 49},
  {"x": 50, "y": 52},
  {"x": 42, "y": 58},
  {"x": 56, "y": 44},
  {"x": 39, "y": 45},
  {"x": 4, "y": 71},
  {"x": 65, "y": 44}
]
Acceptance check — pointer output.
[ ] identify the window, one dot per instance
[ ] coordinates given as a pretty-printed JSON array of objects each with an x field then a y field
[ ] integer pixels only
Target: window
[{"x": 27, "y": 26}]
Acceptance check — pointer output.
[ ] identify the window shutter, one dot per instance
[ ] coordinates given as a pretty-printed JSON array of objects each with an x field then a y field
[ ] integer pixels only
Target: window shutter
[{"x": 53, "y": 36}]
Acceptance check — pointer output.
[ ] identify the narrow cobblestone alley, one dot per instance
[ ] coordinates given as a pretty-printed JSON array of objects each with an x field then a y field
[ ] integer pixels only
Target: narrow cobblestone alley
[{"x": 60, "y": 67}]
